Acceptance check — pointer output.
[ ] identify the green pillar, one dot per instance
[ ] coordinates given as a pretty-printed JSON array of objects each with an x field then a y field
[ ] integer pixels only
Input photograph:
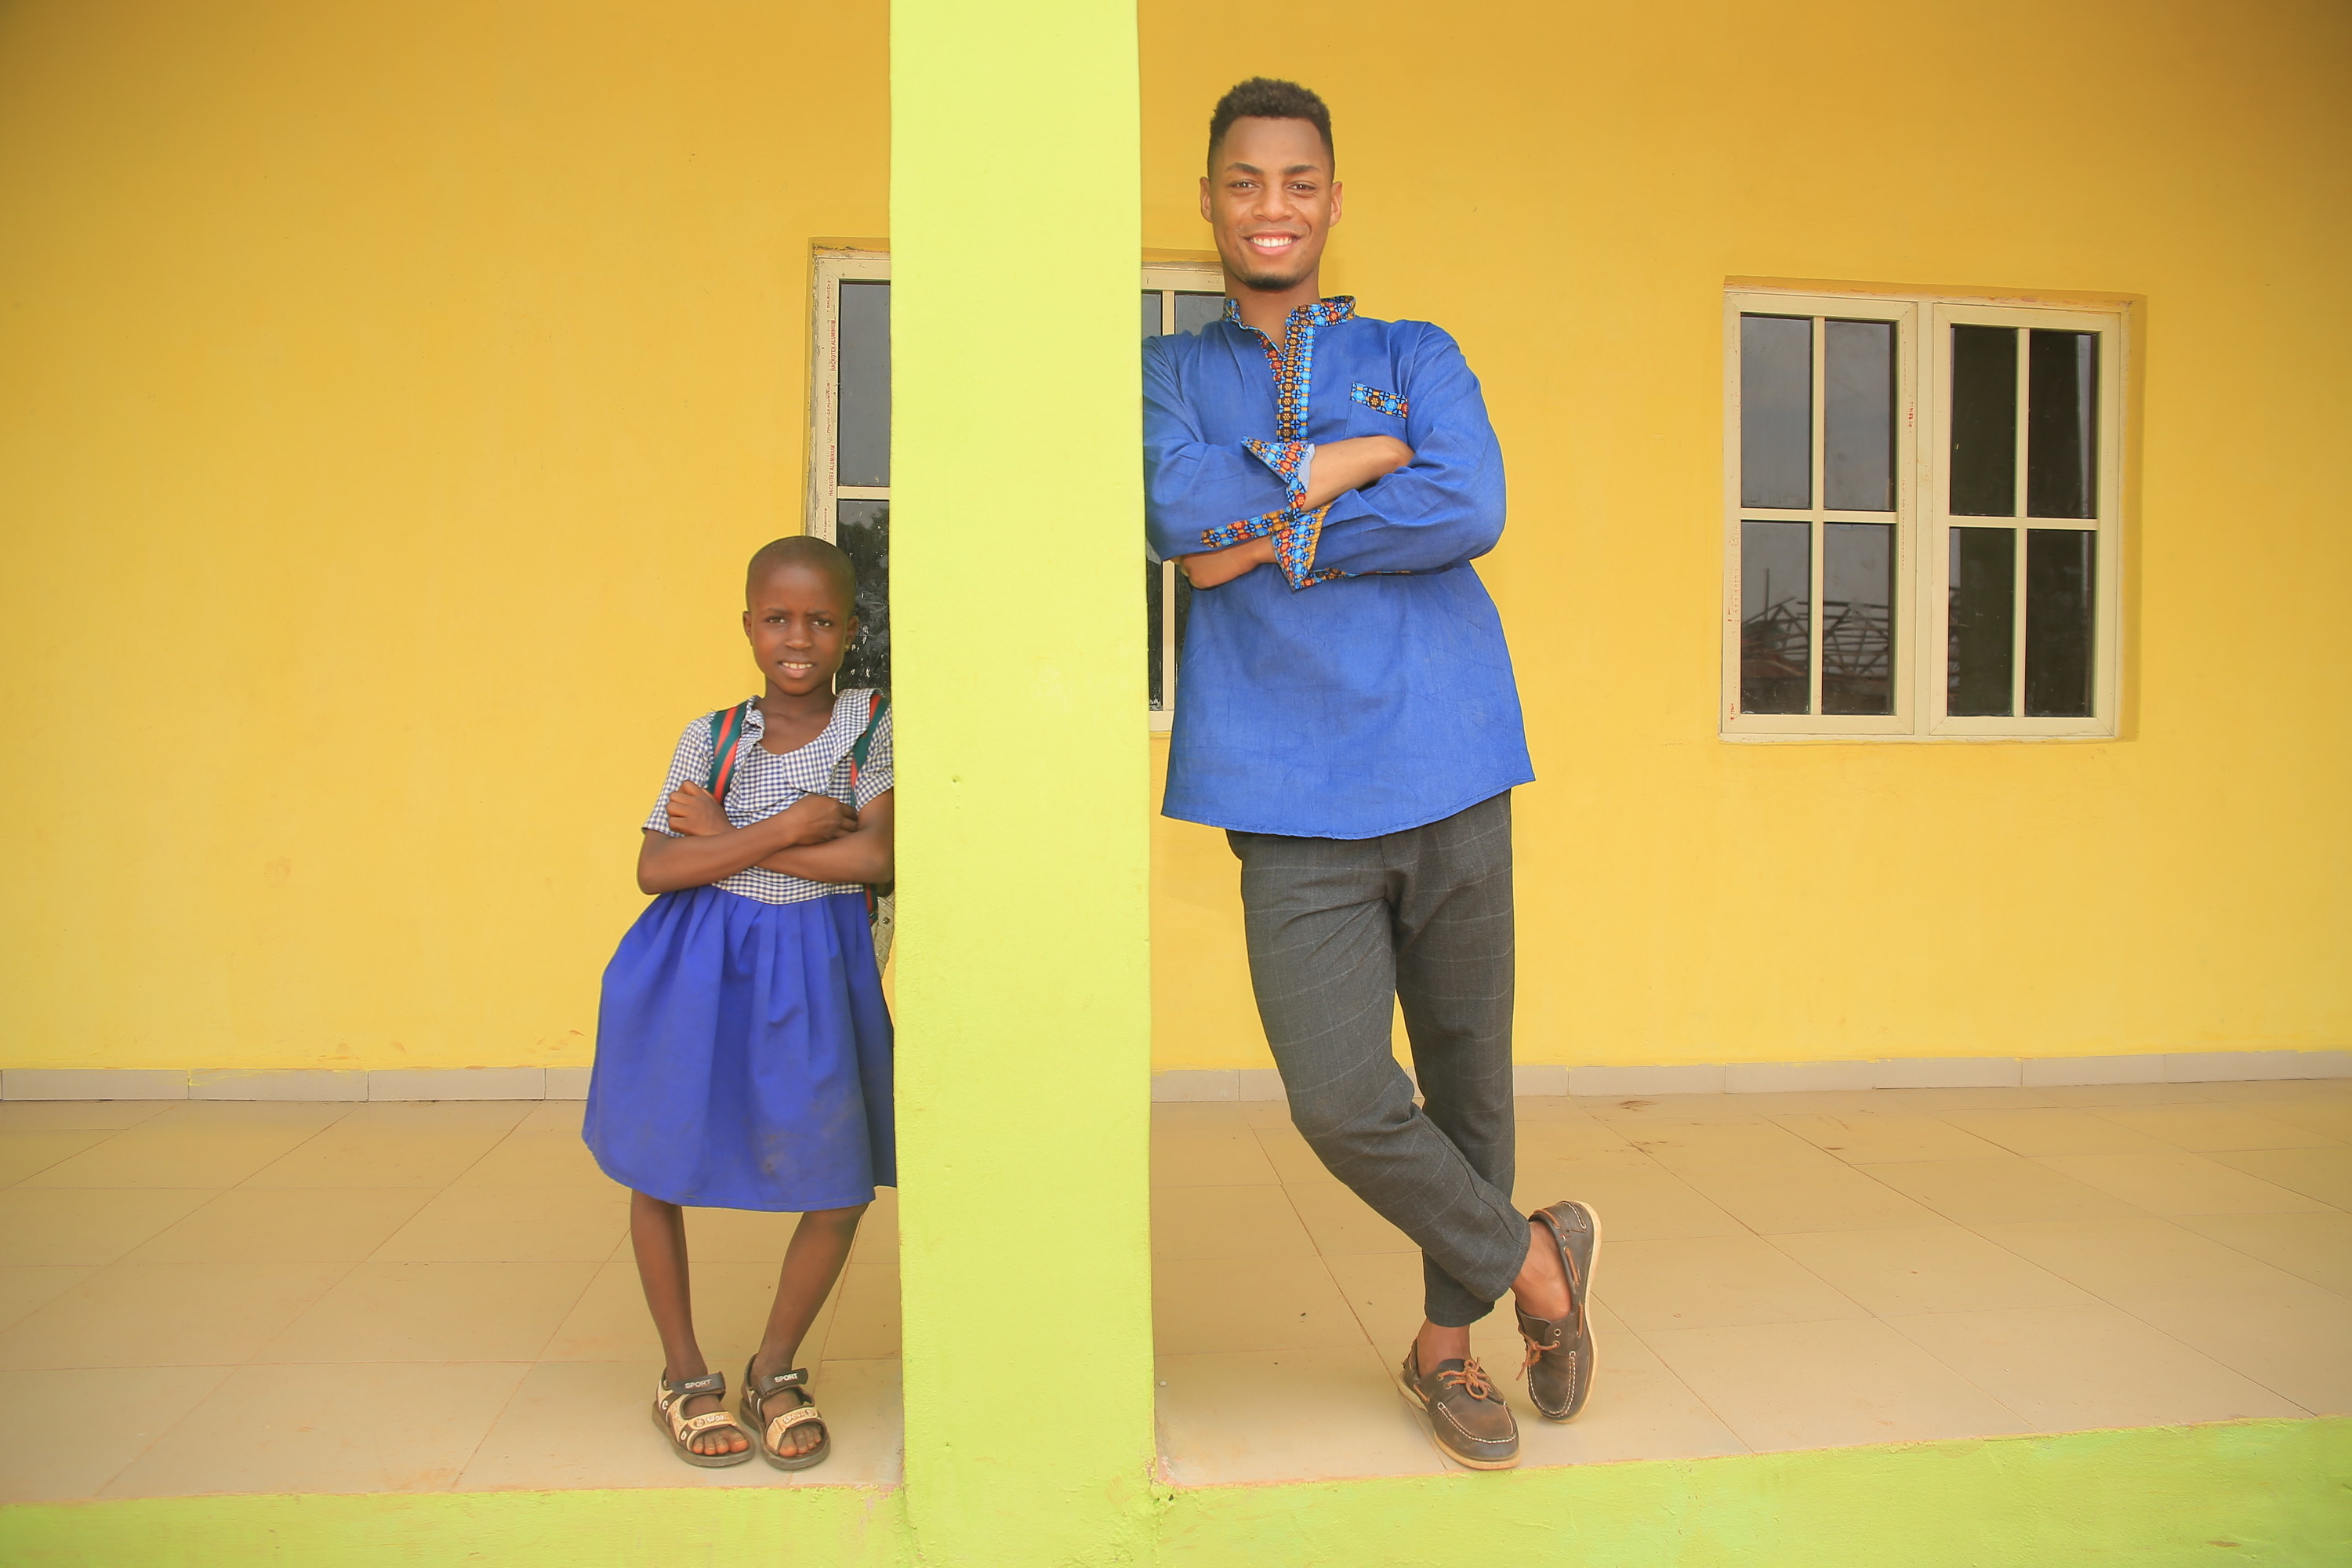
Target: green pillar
[{"x": 1017, "y": 631}]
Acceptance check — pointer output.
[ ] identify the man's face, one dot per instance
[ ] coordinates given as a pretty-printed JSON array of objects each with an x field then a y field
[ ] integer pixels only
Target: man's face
[{"x": 1270, "y": 199}]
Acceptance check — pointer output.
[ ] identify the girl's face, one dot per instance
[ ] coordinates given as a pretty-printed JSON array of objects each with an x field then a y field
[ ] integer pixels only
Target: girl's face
[{"x": 799, "y": 626}]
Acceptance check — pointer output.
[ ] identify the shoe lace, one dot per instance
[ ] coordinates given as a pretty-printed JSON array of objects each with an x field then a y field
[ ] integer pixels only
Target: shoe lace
[{"x": 1470, "y": 1380}]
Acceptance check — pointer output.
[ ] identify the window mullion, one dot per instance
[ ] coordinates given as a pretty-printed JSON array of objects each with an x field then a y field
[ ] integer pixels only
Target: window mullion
[
  {"x": 2024, "y": 531},
  {"x": 1815, "y": 529}
]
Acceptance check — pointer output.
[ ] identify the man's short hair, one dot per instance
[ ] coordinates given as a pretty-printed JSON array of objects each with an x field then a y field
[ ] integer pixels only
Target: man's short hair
[{"x": 1267, "y": 98}]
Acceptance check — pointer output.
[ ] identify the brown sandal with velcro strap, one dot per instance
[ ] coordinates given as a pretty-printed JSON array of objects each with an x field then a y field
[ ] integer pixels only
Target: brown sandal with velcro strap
[
  {"x": 669, "y": 1405},
  {"x": 758, "y": 1390}
]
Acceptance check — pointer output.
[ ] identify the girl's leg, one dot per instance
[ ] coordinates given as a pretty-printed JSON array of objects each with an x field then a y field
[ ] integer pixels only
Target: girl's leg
[
  {"x": 820, "y": 1245},
  {"x": 658, "y": 1234}
]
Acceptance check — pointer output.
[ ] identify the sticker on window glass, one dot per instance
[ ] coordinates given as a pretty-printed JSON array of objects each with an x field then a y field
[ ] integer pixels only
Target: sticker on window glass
[{"x": 1374, "y": 398}]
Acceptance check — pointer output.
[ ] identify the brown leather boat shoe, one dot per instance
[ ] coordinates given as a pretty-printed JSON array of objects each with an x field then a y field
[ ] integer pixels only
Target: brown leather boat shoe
[
  {"x": 1468, "y": 1416},
  {"x": 1558, "y": 1368}
]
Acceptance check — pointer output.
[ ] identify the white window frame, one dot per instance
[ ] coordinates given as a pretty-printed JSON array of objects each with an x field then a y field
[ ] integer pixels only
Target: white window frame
[
  {"x": 2108, "y": 553},
  {"x": 825, "y": 489},
  {"x": 1170, "y": 279},
  {"x": 1921, "y": 520}
]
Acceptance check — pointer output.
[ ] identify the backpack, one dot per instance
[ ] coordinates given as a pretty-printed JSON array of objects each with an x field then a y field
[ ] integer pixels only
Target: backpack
[{"x": 726, "y": 736}]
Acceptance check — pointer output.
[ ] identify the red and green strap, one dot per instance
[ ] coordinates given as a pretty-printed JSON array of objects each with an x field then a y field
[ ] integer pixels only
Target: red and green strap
[
  {"x": 876, "y": 706},
  {"x": 725, "y": 731}
]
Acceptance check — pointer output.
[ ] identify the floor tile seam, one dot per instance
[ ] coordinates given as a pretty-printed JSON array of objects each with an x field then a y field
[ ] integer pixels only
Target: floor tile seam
[
  {"x": 2028, "y": 1421},
  {"x": 2043, "y": 1161},
  {"x": 2181, "y": 1346},
  {"x": 2254, "y": 1378},
  {"x": 1362, "y": 1328},
  {"x": 104, "y": 1136},
  {"x": 1683, "y": 1383},
  {"x": 1978, "y": 1230},
  {"x": 2314, "y": 1284},
  {"x": 291, "y": 1149},
  {"x": 345, "y": 1269},
  {"x": 457, "y": 1471},
  {"x": 2138, "y": 1211},
  {"x": 2326, "y": 1141},
  {"x": 2330, "y": 1204},
  {"x": 228, "y": 1371}
]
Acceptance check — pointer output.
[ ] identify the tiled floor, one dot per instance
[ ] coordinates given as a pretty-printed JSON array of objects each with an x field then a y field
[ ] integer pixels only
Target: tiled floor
[
  {"x": 328, "y": 1298},
  {"x": 1788, "y": 1271},
  {"x": 373, "y": 1297}
]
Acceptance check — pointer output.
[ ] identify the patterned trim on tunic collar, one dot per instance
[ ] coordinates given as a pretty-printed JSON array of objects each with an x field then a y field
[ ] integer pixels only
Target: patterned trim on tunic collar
[
  {"x": 1296, "y": 531},
  {"x": 1293, "y": 360}
]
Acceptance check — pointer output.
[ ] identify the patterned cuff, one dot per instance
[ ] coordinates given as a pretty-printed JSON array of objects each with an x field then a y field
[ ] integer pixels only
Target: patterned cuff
[
  {"x": 1247, "y": 529},
  {"x": 1290, "y": 460},
  {"x": 1296, "y": 535},
  {"x": 1294, "y": 549}
]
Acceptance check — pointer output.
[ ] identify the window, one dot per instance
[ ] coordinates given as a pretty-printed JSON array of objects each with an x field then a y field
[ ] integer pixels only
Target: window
[
  {"x": 1176, "y": 298},
  {"x": 1921, "y": 517},
  {"x": 849, "y": 472},
  {"x": 849, "y": 452}
]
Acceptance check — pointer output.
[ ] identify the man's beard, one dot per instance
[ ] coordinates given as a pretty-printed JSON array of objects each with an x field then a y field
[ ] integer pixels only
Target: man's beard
[{"x": 1271, "y": 282}]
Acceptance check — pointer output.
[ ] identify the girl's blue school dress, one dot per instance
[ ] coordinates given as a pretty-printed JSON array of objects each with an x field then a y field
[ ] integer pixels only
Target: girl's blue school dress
[{"x": 743, "y": 1047}]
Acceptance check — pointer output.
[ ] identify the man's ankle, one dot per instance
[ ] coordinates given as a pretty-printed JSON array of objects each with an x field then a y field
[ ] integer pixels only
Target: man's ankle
[{"x": 1435, "y": 1344}]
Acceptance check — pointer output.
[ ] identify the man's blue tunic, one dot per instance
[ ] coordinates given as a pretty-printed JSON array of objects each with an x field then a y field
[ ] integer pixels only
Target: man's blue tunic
[{"x": 1362, "y": 687}]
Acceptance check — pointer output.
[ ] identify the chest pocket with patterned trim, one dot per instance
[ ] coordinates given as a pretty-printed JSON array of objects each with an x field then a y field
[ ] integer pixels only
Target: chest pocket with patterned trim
[{"x": 1372, "y": 397}]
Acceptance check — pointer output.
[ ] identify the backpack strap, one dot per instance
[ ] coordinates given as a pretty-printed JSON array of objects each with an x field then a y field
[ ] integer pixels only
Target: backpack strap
[
  {"x": 877, "y": 705},
  {"x": 726, "y": 734}
]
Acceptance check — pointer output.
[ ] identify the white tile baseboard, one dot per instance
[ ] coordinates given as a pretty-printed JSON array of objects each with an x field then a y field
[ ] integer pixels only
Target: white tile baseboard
[
  {"x": 1227, "y": 1084},
  {"x": 459, "y": 1083},
  {"x": 1781, "y": 1078},
  {"x": 93, "y": 1083},
  {"x": 279, "y": 1083}
]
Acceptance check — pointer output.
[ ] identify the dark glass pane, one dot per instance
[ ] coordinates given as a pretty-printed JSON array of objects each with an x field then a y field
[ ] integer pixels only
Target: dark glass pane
[
  {"x": 1776, "y": 413},
  {"x": 865, "y": 435},
  {"x": 2061, "y": 428},
  {"x": 1776, "y": 616},
  {"x": 1195, "y": 311},
  {"x": 1155, "y": 680},
  {"x": 1857, "y": 421},
  {"x": 2059, "y": 579},
  {"x": 1857, "y": 617},
  {"x": 862, "y": 529},
  {"x": 1151, "y": 313},
  {"x": 1984, "y": 422},
  {"x": 1982, "y": 623}
]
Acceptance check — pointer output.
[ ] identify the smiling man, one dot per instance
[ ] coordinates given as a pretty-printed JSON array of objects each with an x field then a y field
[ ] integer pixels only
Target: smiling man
[{"x": 1347, "y": 716}]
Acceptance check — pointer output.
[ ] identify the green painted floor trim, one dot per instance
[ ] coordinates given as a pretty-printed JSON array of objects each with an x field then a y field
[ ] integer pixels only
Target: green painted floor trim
[
  {"x": 2275, "y": 1493},
  {"x": 814, "y": 1527},
  {"x": 2278, "y": 1493}
]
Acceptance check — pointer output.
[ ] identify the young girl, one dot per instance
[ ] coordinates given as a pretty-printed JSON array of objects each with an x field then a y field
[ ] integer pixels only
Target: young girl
[{"x": 743, "y": 1049}]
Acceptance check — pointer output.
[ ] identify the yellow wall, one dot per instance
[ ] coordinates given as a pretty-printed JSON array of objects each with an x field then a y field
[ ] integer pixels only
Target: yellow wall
[
  {"x": 1568, "y": 187},
  {"x": 388, "y": 394}
]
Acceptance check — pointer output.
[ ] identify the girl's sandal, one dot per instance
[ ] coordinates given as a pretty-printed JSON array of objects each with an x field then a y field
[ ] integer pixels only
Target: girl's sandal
[
  {"x": 669, "y": 1401},
  {"x": 758, "y": 1390}
]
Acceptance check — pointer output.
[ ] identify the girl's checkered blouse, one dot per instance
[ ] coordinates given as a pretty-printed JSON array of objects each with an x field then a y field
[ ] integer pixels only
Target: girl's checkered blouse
[{"x": 764, "y": 783}]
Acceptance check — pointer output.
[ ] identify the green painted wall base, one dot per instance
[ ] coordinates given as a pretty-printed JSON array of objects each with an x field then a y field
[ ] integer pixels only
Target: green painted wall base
[{"x": 2277, "y": 1493}]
